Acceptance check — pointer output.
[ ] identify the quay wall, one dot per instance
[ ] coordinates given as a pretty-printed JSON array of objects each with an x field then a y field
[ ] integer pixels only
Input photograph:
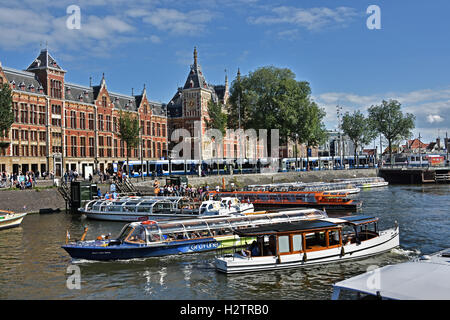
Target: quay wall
[{"x": 31, "y": 200}]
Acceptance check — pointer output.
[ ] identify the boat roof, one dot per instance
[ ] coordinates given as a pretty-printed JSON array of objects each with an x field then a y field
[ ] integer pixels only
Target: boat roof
[
  {"x": 424, "y": 279},
  {"x": 322, "y": 223}
]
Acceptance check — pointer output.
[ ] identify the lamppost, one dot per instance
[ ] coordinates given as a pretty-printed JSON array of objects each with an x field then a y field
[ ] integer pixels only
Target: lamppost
[{"x": 340, "y": 138}]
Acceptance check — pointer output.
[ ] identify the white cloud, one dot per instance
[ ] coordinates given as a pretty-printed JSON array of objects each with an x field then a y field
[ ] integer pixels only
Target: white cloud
[
  {"x": 431, "y": 107},
  {"x": 432, "y": 118},
  {"x": 310, "y": 18}
]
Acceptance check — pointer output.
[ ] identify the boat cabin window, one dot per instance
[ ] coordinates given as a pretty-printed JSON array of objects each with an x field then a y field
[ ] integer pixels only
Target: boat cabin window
[
  {"x": 333, "y": 237},
  {"x": 316, "y": 240},
  {"x": 297, "y": 242},
  {"x": 283, "y": 244},
  {"x": 137, "y": 235},
  {"x": 125, "y": 232}
]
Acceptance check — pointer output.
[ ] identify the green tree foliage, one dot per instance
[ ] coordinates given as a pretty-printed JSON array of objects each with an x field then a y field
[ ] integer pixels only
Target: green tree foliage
[
  {"x": 389, "y": 120},
  {"x": 269, "y": 98},
  {"x": 129, "y": 131},
  {"x": 6, "y": 112},
  {"x": 310, "y": 128},
  {"x": 217, "y": 117},
  {"x": 358, "y": 128}
]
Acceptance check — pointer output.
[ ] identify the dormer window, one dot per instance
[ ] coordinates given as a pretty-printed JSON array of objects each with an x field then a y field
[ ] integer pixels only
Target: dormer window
[
  {"x": 41, "y": 89},
  {"x": 31, "y": 87},
  {"x": 80, "y": 97},
  {"x": 22, "y": 85}
]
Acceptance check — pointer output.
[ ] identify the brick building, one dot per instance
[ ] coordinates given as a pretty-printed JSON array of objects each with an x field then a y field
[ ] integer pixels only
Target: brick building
[
  {"x": 63, "y": 126},
  {"x": 189, "y": 106}
]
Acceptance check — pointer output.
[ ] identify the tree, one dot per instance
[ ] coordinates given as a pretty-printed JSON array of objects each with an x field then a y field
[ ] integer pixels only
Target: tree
[
  {"x": 310, "y": 128},
  {"x": 388, "y": 119},
  {"x": 217, "y": 119},
  {"x": 6, "y": 112},
  {"x": 129, "y": 133},
  {"x": 359, "y": 129},
  {"x": 268, "y": 98}
]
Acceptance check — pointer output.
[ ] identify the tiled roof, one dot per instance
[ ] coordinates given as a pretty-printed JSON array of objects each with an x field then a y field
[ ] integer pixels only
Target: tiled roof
[{"x": 23, "y": 80}]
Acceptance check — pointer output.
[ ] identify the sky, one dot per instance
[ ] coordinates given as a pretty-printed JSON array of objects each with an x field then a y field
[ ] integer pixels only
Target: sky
[{"x": 327, "y": 43}]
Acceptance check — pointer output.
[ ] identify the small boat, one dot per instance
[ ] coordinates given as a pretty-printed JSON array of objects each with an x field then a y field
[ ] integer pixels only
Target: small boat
[
  {"x": 367, "y": 182},
  {"x": 151, "y": 238},
  {"x": 9, "y": 219},
  {"x": 425, "y": 278},
  {"x": 304, "y": 243},
  {"x": 263, "y": 200},
  {"x": 226, "y": 206}
]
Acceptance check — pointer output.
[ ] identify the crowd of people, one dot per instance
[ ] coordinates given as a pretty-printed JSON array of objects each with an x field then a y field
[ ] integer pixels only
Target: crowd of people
[
  {"x": 20, "y": 180},
  {"x": 179, "y": 190}
]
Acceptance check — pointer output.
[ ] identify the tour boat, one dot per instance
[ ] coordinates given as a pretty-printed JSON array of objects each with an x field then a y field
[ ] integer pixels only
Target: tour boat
[
  {"x": 367, "y": 182},
  {"x": 348, "y": 187},
  {"x": 9, "y": 219},
  {"x": 328, "y": 200},
  {"x": 134, "y": 208},
  {"x": 152, "y": 238},
  {"x": 304, "y": 243},
  {"x": 424, "y": 278},
  {"x": 225, "y": 206}
]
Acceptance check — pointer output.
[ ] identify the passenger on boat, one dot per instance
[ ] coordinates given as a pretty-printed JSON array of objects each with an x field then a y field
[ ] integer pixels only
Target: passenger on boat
[{"x": 252, "y": 250}]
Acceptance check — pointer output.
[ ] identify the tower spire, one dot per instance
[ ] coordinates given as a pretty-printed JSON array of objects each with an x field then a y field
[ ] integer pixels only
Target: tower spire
[{"x": 195, "y": 56}]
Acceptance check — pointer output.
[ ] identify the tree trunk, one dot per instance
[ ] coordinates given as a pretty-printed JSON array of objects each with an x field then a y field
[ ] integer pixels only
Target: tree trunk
[{"x": 390, "y": 152}]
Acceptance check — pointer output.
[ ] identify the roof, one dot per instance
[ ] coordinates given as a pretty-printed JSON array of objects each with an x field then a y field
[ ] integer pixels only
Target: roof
[
  {"x": 23, "y": 80},
  {"x": 425, "y": 279},
  {"x": 43, "y": 61},
  {"x": 287, "y": 227}
]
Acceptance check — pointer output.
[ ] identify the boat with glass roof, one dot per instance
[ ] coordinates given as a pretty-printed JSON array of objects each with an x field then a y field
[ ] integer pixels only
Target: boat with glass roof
[
  {"x": 366, "y": 182},
  {"x": 143, "y": 208},
  {"x": 312, "y": 242},
  {"x": 152, "y": 238},
  {"x": 347, "y": 187},
  {"x": 263, "y": 200}
]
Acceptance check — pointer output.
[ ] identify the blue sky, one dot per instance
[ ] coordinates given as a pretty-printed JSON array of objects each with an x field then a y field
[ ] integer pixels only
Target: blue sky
[{"x": 324, "y": 42}]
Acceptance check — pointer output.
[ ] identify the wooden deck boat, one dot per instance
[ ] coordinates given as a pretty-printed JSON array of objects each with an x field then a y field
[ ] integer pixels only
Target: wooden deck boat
[
  {"x": 328, "y": 200},
  {"x": 151, "y": 238},
  {"x": 9, "y": 219},
  {"x": 367, "y": 182},
  {"x": 293, "y": 245},
  {"x": 425, "y": 278}
]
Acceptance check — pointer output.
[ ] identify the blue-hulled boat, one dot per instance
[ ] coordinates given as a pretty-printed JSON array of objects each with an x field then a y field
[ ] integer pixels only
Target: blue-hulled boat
[{"x": 151, "y": 238}]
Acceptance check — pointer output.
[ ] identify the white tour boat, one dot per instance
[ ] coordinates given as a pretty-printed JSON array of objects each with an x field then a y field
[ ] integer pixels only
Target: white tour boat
[
  {"x": 304, "y": 243},
  {"x": 9, "y": 219},
  {"x": 425, "y": 278},
  {"x": 131, "y": 209},
  {"x": 367, "y": 182}
]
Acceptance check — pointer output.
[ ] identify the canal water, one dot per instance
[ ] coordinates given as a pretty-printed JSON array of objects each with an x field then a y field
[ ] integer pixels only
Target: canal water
[{"x": 33, "y": 265}]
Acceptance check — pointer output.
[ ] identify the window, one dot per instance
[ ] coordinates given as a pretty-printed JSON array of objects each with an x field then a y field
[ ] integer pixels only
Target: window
[
  {"x": 41, "y": 115},
  {"x": 100, "y": 122},
  {"x": 73, "y": 142},
  {"x": 91, "y": 147},
  {"x": 55, "y": 89},
  {"x": 104, "y": 102},
  {"x": 108, "y": 123},
  {"x": 83, "y": 146},
  {"x": 297, "y": 242},
  {"x": 91, "y": 121},
  {"x": 82, "y": 120},
  {"x": 23, "y": 113},
  {"x": 283, "y": 244},
  {"x": 73, "y": 119}
]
